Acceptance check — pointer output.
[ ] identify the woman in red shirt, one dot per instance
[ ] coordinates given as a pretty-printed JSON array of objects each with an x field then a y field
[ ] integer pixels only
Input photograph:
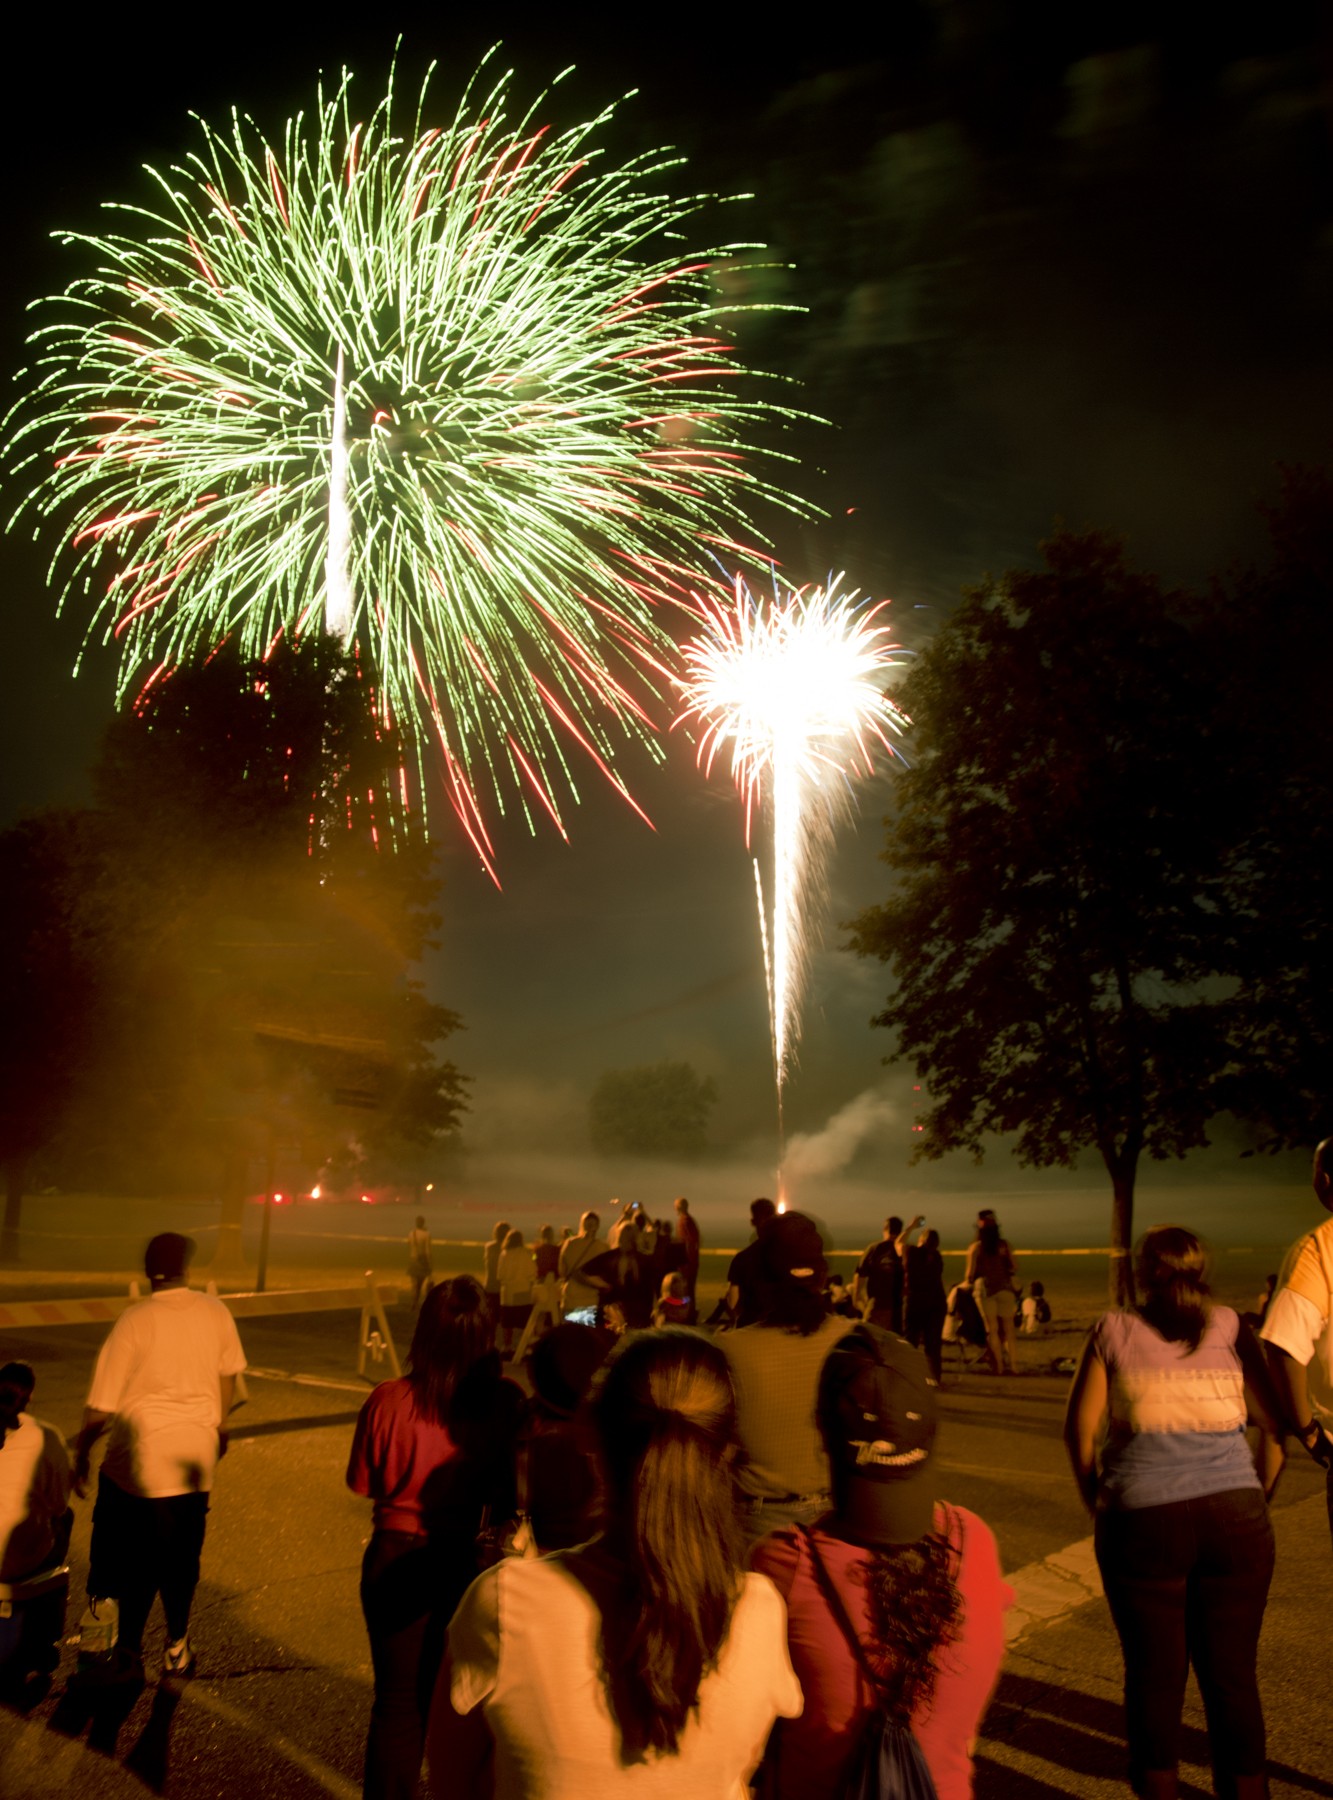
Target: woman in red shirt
[
  {"x": 431, "y": 1449},
  {"x": 919, "y": 1582}
]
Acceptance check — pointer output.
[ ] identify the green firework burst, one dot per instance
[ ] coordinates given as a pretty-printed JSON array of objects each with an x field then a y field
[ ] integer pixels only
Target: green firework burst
[{"x": 454, "y": 392}]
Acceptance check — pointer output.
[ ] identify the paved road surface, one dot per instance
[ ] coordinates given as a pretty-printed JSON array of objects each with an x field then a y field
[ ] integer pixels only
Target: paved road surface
[{"x": 280, "y": 1705}]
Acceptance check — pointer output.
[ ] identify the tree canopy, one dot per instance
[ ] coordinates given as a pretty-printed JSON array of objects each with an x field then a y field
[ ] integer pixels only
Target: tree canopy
[
  {"x": 1060, "y": 932},
  {"x": 1275, "y": 635},
  {"x": 657, "y": 1110},
  {"x": 52, "y": 988},
  {"x": 255, "y": 944}
]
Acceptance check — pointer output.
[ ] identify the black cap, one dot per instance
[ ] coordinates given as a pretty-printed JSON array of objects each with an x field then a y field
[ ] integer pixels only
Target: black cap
[
  {"x": 878, "y": 1416},
  {"x": 168, "y": 1256},
  {"x": 793, "y": 1250}
]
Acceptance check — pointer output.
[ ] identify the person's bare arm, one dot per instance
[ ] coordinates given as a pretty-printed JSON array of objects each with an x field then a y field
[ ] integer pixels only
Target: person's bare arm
[
  {"x": 94, "y": 1424},
  {"x": 1084, "y": 1413},
  {"x": 1263, "y": 1407},
  {"x": 460, "y": 1751},
  {"x": 900, "y": 1242},
  {"x": 1293, "y": 1392}
]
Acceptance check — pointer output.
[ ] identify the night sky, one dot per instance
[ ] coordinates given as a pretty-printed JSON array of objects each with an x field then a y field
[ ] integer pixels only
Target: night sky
[{"x": 1055, "y": 266}]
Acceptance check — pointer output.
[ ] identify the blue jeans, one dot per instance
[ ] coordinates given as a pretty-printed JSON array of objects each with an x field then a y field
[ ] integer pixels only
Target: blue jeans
[{"x": 1187, "y": 1583}]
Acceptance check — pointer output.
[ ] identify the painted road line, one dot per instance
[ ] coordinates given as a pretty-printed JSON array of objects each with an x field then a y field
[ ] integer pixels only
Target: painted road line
[
  {"x": 254, "y": 1727},
  {"x": 1045, "y": 1591},
  {"x": 318, "y": 1381}
]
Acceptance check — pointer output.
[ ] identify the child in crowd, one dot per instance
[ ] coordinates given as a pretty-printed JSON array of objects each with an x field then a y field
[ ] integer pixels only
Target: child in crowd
[
  {"x": 673, "y": 1302},
  {"x": 1036, "y": 1309},
  {"x": 839, "y": 1299}
]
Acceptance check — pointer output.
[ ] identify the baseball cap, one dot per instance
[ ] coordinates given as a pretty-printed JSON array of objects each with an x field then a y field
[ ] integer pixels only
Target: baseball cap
[
  {"x": 793, "y": 1250},
  {"x": 878, "y": 1416},
  {"x": 168, "y": 1256}
]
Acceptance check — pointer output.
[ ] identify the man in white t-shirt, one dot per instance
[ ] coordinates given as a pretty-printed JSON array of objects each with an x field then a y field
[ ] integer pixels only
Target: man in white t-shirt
[
  {"x": 1298, "y": 1329},
  {"x": 161, "y": 1390}
]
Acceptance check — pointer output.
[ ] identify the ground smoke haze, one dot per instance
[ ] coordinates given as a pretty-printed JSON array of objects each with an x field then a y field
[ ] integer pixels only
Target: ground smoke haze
[{"x": 828, "y": 1152}]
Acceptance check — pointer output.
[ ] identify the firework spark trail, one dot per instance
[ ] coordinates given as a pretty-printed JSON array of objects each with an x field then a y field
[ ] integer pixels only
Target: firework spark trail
[
  {"x": 795, "y": 686},
  {"x": 337, "y": 578},
  {"x": 768, "y": 980},
  {"x": 457, "y": 390}
]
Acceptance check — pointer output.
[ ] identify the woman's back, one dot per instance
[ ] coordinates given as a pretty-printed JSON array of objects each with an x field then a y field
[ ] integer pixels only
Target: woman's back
[
  {"x": 814, "y": 1750},
  {"x": 994, "y": 1267},
  {"x": 525, "y": 1645},
  {"x": 924, "y": 1269},
  {"x": 514, "y": 1273},
  {"x": 1177, "y": 1415}
]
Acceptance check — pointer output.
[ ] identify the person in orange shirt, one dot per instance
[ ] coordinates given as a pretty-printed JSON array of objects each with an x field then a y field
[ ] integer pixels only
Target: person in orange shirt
[{"x": 1298, "y": 1330}]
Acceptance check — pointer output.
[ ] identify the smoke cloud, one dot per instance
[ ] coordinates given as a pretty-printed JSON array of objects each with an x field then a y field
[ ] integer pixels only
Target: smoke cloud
[{"x": 828, "y": 1152}]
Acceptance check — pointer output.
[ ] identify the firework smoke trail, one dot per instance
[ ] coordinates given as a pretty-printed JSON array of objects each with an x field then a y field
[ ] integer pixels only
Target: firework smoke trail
[
  {"x": 457, "y": 390},
  {"x": 794, "y": 685}
]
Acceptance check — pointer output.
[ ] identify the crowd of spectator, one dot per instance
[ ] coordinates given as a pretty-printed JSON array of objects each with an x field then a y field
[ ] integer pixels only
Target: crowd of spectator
[{"x": 654, "y": 1557}]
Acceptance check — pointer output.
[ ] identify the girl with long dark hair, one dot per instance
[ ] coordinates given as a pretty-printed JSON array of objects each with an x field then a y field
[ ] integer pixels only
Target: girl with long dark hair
[
  {"x": 646, "y": 1662},
  {"x": 895, "y": 1602},
  {"x": 430, "y": 1449},
  {"x": 1183, "y": 1539}
]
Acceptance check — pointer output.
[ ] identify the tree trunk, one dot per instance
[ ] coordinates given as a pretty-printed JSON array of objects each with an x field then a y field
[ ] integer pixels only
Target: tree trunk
[
  {"x": 16, "y": 1167},
  {"x": 229, "y": 1257},
  {"x": 1120, "y": 1276}
]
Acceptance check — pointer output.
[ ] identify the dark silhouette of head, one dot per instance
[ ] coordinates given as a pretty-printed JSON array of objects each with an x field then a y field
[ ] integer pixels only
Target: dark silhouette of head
[
  {"x": 452, "y": 1335},
  {"x": 167, "y": 1259},
  {"x": 1171, "y": 1268},
  {"x": 1323, "y": 1173},
  {"x": 16, "y": 1384}
]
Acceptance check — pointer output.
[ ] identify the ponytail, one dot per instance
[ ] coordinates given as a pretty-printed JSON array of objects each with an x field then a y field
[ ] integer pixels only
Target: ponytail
[
  {"x": 666, "y": 1418},
  {"x": 916, "y": 1611}
]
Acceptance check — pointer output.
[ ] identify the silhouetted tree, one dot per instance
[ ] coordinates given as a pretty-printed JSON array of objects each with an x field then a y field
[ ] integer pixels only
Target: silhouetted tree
[
  {"x": 1060, "y": 913},
  {"x": 1274, "y": 627},
  {"x": 659, "y": 1109},
  {"x": 52, "y": 987},
  {"x": 254, "y": 806}
]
